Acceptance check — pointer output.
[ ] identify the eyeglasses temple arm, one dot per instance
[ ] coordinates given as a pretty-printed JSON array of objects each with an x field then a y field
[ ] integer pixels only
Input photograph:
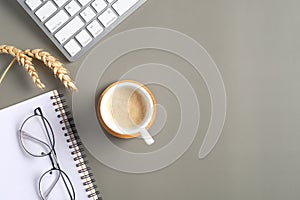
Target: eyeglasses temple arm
[{"x": 33, "y": 138}]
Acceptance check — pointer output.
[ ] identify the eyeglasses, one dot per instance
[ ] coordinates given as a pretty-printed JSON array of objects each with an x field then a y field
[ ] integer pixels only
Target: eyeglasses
[{"x": 37, "y": 139}]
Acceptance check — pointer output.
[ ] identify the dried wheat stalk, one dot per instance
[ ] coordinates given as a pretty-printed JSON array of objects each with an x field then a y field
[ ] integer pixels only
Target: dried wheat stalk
[
  {"x": 25, "y": 61},
  {"x": 56, "y": 66}
]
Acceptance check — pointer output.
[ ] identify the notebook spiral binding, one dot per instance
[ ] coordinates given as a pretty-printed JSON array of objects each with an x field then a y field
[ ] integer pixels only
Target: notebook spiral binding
[{"x": 75, "y": 144}]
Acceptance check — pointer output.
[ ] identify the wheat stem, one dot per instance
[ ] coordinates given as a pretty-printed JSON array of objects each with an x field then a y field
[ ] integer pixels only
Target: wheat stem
[
  {"x": 25, "y": 61},
  {"x": 6, "y": 70}
]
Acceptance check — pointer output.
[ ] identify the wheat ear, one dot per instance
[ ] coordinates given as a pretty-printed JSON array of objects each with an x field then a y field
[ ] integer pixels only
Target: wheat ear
[
  {"x": 25, "y": 61},
  {"x": 56, "y": 66}
]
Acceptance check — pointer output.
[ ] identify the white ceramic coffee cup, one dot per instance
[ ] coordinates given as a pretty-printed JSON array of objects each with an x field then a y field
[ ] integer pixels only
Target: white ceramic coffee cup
[{"x": 106, "y": 110}]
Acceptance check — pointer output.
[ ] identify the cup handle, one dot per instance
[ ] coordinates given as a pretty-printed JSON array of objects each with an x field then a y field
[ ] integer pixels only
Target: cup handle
[{"x": 146, "y": 136}]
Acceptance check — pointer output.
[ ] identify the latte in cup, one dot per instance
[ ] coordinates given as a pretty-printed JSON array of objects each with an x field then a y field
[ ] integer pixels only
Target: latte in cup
[{"x": 126, "y": 109}]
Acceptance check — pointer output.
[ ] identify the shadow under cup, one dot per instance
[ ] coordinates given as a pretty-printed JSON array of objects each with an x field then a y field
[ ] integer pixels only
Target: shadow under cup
[{"x": 125, "y": 107}]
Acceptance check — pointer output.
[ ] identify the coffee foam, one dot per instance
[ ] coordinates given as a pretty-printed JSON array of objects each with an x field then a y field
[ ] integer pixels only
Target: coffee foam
[{"x": 127, "y": 107}]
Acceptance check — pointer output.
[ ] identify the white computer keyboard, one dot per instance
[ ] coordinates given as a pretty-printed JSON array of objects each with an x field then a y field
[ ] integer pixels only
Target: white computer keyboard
[{"x": 76, "y": 25}]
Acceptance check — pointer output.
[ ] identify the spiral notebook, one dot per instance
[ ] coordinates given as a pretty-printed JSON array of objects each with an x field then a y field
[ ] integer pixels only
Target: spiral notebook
[{"x": 21, "y": 173}]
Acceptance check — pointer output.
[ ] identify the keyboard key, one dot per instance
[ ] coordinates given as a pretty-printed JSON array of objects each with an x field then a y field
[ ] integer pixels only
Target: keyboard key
[
  {"x": 33, "y": 4},
  {"x": 95, "y": 28},
  {"x": 70, "y": 29},
  {"x": 122, "y": 6},
  {"x": 99, "y": 5},
  {"x": 56, "y": 21},
  {"x": 108, "y": 17},
  {"x": 77, "y": 25},
  {"x": 84, "y": 2},
  {"x": 72, "y": 7},
  {"x": 83, "y": 38},
  {"x": 59, "y": 3},
  {"x": 87, "y": 14},
  {"x": 46, "y": 11},
  {"x": 72, "y": 47}
]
